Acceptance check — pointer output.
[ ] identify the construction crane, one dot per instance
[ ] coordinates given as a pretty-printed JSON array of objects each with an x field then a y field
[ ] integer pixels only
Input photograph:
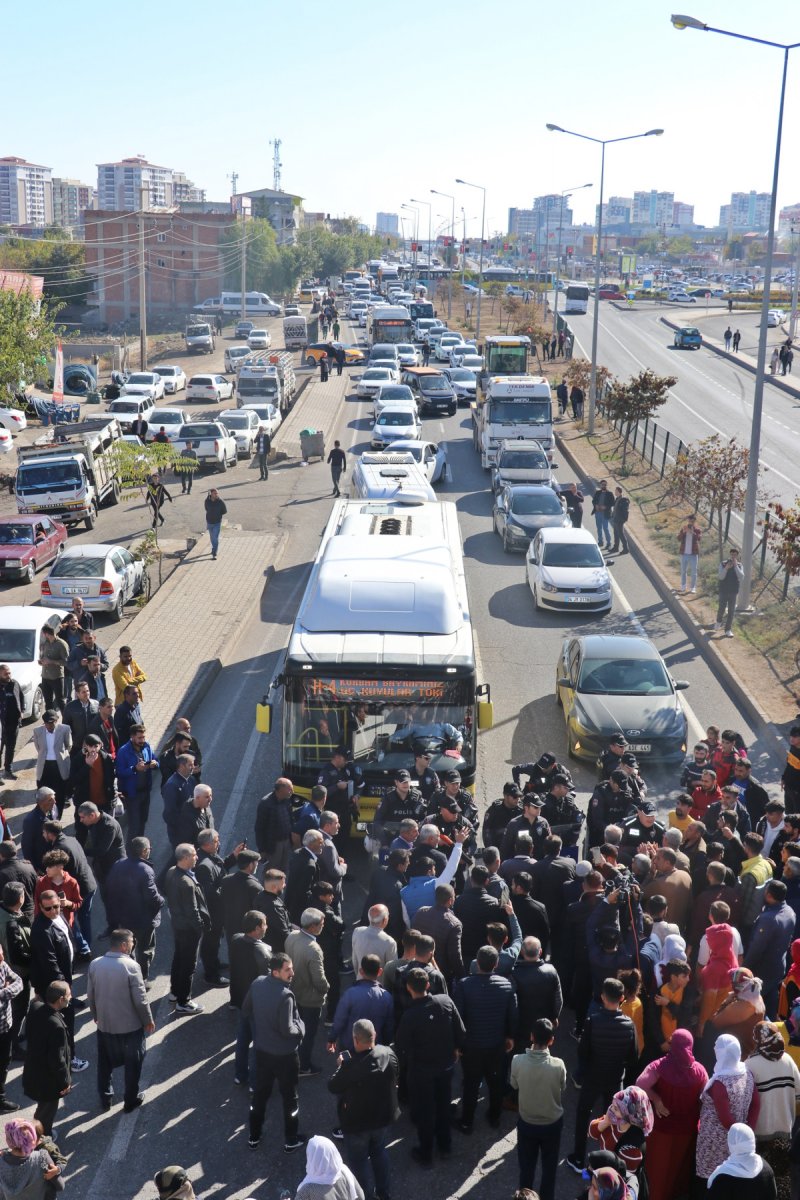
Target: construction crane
[{"x": 276, "y": 163}]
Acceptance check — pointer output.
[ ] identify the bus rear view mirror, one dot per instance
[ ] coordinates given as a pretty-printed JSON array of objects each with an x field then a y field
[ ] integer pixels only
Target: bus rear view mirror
[
  {"x": 264, "y": 716},
  {"x": 485, "y": 714}
]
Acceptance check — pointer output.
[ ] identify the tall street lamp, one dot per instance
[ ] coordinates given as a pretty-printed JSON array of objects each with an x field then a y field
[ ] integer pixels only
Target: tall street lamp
[
  {"x": 415, "y": 211},
  {"x": 452, "y": 200},
  {"x": 748, "y": 536},
  {"x": 602, "y": 142},
  {"x": 427, "y": 202},
  {"x": 464, "y": 183},
  {"x": 567, "y": 191}
]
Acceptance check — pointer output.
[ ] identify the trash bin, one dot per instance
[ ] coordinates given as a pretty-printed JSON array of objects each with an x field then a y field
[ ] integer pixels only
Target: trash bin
[
  {"x": 93, "y": 397},
  {"x": 312, "y": 444}
]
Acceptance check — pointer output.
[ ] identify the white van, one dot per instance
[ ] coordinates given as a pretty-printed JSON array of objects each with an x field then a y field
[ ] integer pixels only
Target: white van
[
  {"x": 387, "y": 476},
  {"x": 21, "y": 636}
]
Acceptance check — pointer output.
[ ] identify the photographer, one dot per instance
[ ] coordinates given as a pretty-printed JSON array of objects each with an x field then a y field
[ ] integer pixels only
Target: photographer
[
  {"x": 730, "y": 575},
  {"x": 612, "y": 929}
]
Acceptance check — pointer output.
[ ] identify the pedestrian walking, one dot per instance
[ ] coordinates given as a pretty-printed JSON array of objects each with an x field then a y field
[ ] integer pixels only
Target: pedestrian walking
[
  {"x": 324, "y": 369},
  {"x": 218, "y": 323},
  {"x": 156, "y": 495},
  {"x": 730, "y": 576},
  {"x": 190, "y": 918},
  {"x": 216, "y": 509},
  {"x": 249, "y": 960},
  {"x": 263, "y": 445},
  {"x": 47, "y": 1074},
  {"x": 553, "y": 346},
  {"x": 339, "y": 358},
  {"x": 602, "y": 507},
  {"x": 573, "y": 498},
  {"x": 619, "y": 519},
  {"x": 561, "y": 340},
  {"x": 11, "y": 709},
  {"x": 576, "y": 399},
  {"x": 562, "y": 395},
  {"x": 335, "y": 328},
  {"x": 365, "y": 1084},
  {"x": 539, "y": 1080},
  {"x": 272, "y": 1011},
  {"x": 727, "y": 335},
  {"x": 774, "y": 361},
  {"x": 730, "y": 306},
  {"x": 186, "y": 468},
  {"x": 338, "y": 464},
  {"x": 426, "y": 354},
  {"x": 789, "y": 360},
  {"x": 324, "y": 329},
  {"x": 782, "y": 353},
  {"x": 737, "y": 337},
  {"x": 118, "y": 1003},
  {"x": 689, "y": 550}
]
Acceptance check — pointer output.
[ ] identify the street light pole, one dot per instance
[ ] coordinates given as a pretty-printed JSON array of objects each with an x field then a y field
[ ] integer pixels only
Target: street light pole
[
  {"x": 463, "y": 246},
  {"x": 751, "y": 498},
  {"x": 452, "y": 200},
  {"x": 464, "y": 183},
  {"x": 415, "y": 211},
  {"x": 795, "y": 257},
  {"x": 602, "y": 142},
  {"x": 413, "y": 201},
  {"x": 567, "y": 192}
]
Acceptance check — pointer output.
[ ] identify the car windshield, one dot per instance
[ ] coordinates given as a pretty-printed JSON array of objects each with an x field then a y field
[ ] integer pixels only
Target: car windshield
[
  {"x": 141, "y": 378},
  {"x": 396, "y": 418},
  {"x": 17, "y": 645},
  {"x": 167, "y": 372},
  {"x": 264, "y": 412},
  {"x": 16, "y": 535},
  {"x": 404, "y": 348},
  {"x": 165, "y": 417},
  {"x": 460, "y": 375},
  {"x": 75, "y": 567},
  {"x": 624, "y": 677},
  {"x": 124, "y": 406},
  {"x": 691, "y": 332},
  {"x": 377, "y": 373},
  {"x": 571, "y": 554},
  {"x": 518, "y": 460},
  {"x": 521, "y": 412},
  {"x": 201, "y": 381},
  {"x": 433, "y": 383},
  {"x": 529, "y": 504},
  {"x": 238, "y": 352},
  {"x": 397, "y": 392},
  {"x": 235, "y": 421},
  {"x": 49, "y": 475}
]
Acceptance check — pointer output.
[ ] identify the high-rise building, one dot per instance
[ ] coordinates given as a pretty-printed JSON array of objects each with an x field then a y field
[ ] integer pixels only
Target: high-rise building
[
  {"x": 616, "y": 211},
  {"x": 652, "y": 208},
  {"x": 748, "y": 212},
  {"x": 71, "y": 198},
  {"x": 788, "y": 220},
  {"x": 682, "y": 214},
  {"x": 522, "y": 222},
  {"x": 551, "y": 211},
  {"x": 283, "y": 210},
  {"x": 26, "y": 193},
  {"x": 184, "y": 191},
  {"x": 387, "y": 223},
  {"x": 120, "y": 185}
]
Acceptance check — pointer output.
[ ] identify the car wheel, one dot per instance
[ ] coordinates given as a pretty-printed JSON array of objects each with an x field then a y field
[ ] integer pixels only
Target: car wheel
[
  {"x": 223, "y": 466},
  {"x": 118, "y": 610},
  {"x": 311, "y": 361},
  {"x": 144, "y": 586},
  {"x": 30, "y": 573},
  {"x": 115, "y": 495},
  {"x": 91, "y": 520},
  {"x": 37, "y": 705}
]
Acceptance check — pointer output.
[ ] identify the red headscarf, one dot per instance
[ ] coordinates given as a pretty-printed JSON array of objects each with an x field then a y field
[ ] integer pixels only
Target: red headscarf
[
  {"x": 794, "y": 969},
  {"x": 679, "y": 1066},
  {"x": 722, "y": 960}
]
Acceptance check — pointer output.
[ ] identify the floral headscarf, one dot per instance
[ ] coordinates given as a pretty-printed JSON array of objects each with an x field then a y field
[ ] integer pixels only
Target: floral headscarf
[
  {"x": 768, "y": 1041},
  {"x": 745, "y": 986},
  {"x": 631, "y": 1107}
]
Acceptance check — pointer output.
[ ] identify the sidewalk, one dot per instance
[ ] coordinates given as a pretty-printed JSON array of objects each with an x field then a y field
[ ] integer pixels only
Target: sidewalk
[{"x": 317, "y": 408}]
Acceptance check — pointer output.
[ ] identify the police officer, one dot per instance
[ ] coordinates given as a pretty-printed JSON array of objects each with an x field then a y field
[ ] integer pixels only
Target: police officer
[
  {"x": 540, "y": 773},
  {"x": 630, "y": 765},
  {"x": 610, "y": 804},
  {"x": 451, "y": 789},
  {"x": 640, "y": 829},
  {"x": 344, "y": 782},
  {"x": 611, "y": 758},
  {"x": 402, "y": 803},
  {"x": 531, "y": 822},
  {"x": 561, "y": 812},
  {"x": 499, "y": 813},
  {"x": 427, "y": 781}
]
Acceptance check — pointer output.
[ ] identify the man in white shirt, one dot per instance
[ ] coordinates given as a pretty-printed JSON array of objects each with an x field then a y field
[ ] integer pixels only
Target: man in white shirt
[
  {"x": 53, "y": 742},
  {"x": 720, "y": 914}
]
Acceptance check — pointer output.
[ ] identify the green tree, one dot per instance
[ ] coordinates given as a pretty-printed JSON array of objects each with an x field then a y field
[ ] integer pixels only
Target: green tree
[
  {"x": 636, "y": 400},
  {"x": 134, "y": 466},
  {"x": 60, "y": 261},
  {"x": 27, "y": 336},
  {"x": 712, "y": 473}
]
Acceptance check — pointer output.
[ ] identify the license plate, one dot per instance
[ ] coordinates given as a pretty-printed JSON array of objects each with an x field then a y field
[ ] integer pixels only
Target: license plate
[
  {"x": 75, "y": 591},
  {"x": 580, "y": 599},
  {"x": 640, "y": 747}
]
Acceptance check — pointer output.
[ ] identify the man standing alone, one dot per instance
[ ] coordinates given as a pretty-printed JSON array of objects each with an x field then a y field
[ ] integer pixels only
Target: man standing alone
[
  {"x": 539, "y": 1081},
  {"x": 118, "y": 1003},
  {"x": 272, "y": 1011},
  {"x": 338, "y": 465},
  {"x": 730, "y": 575},
  {"x": 263, "y": 445},
  {"x": 215, "y": 511},
  {"x": 619, "y": 519}
]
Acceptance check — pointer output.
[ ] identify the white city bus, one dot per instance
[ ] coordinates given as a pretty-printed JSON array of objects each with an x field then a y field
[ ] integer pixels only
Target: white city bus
[
  {"x": 381, "y": 656},
  {"x": 577, "y": 298},
  {"x": 389, "y": 323}
]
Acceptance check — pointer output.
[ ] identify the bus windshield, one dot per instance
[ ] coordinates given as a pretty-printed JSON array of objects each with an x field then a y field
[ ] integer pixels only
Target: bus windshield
[
  {"x": 521, "y": 412},
  {"x": 507, "y": 360},
  {"x": 383, "y": 723}
]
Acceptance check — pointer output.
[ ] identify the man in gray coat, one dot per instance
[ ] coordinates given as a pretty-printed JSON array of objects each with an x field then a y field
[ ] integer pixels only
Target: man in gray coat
[
  {"x": 271, "y": 1009},
  {"x": 118, "y": 1003}
]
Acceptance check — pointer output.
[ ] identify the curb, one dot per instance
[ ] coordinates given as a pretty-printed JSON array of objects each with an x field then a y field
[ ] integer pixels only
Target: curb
[
  {"x": 742, "y": 362},
  {"x": 719, "y": 667}
]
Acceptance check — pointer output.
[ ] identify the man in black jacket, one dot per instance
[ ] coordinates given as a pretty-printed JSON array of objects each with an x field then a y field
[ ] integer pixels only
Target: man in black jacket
[
  {"x": 476, "y": 909},
  {"x": 440, "y": 922},
  {"x": 196, "y": 815},
  {"x": 239, "y": 892},
  {"x": 538, "y": 991},
  {"x": 384, "y": 888},
  {"x": 105, "y": 844},
  {"x": 210, "y": 872},
  {"x": 531, "y": 914},
  {"x": 51, "y": 960},
  {"x": 82, "y": 715},
  {"x": 488, "y": 1007},
  {"x": 15, "y": 939},
  {"x": 270, "y": 903},
  {"x": 190, "y": 919},
  {"x": 134, "y": 901},
  {"x": 366, "y": 1087},
  {"x": 549, "y": 876},
  {"x": 531, "y": 822},
  {"x": 752, "y": 795},
  {"x": 14, "y": 869},
  {"x": 250, "y": 957},
  {"x": 606, "y": 1052},
  {"x": 619, "y": 519},
  {"x": 126, "y": 714},
  {"x": 303, "y": 874},
  {"x": 47, "y": 1074},
  {"x": 427, "y": 1040},
  {"x": 11, "y": 709},
  {"x": 33, "y": 845},
  {"x": 274, "y": 825},
  {"x": 540, "y": 773},
  {"x": 499, "y": 813}
]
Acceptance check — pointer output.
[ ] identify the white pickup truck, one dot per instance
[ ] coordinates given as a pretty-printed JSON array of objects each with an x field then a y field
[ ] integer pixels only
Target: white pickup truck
[{"x": 212, "y": 442}]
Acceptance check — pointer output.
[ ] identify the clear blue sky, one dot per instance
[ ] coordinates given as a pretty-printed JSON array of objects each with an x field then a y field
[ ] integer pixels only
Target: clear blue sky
[{"x": 376, "y": 104}]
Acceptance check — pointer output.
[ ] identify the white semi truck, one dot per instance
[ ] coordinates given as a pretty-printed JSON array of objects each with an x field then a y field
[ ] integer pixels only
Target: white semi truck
[{"x": 515, "y": 406}]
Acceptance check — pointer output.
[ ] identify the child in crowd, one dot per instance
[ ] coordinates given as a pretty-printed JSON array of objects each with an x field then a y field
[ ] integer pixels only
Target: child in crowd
[{"x": 632, "y": 1005}]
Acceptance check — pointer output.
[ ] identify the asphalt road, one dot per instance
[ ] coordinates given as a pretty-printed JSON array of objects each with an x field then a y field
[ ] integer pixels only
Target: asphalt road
[
  {"x": 194, "y": 1115},
  {"x": 712, "y": 395}
]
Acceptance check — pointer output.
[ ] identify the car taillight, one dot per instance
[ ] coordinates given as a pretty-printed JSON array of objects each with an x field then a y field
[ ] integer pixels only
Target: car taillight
[
  {"x": 106, "y": 588},
  {"x": 216, "y": 447},
  {"x": 46, "y": 588}
]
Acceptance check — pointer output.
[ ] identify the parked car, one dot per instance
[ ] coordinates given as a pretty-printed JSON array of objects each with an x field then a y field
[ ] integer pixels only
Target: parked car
[
  {"x": 618, "y": 683},
  {"x": 521, "y": 510},
  {"x": 211, "y": 388},
  {"x": 20, "y": 640},
  {"x": 13, "y": 419},
  {"x": 174, "y": 378},
  {"x": 170, "y": 419},
  {"x": 28, "y": 543},
  {"x": 6, "y": 442},
  {"x": 243, "y": 423},
  {"x": 235, "y": 356},
  {"x": 144, "y": 383},
  {"x": 566, "y": 570},
  {"x": 105, "y": 577},
  {"x": 269, "y": 416},
  {"x": 775, "y": 318}
]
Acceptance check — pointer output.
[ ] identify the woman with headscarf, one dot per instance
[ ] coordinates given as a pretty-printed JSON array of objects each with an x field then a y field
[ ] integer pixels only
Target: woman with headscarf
[
  {"x": 674, "y": 1085},
  {"x": 729, "y": 1096},
  {"x": 743, "y": 1175},
  {"x": 790, "y": 988},
  {"x": 741, "y": 1010},
  {"x": 673, "y": 950},
  {"x": 24, "y": 1169},
  {"x": 790, "y": 1033},
  {"x": 777, "y": 1081},
  {"x": 626, "y": 1125},
  {"x": 608, "y": 1184},
  {"x": 327, "y": 1178},
  {"x": 715, "y": 975}
]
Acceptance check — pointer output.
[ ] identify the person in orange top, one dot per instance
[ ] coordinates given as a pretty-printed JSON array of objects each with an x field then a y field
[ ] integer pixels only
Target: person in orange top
[
  {"x": 126, "y": 672},
  {"x": 632, "y": 1005},
  {"x": 57, "y": 879},
  {"x": 676, "y": 976}
]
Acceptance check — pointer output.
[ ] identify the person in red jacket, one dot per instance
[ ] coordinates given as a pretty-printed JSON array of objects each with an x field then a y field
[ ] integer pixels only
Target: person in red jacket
[
  {"x": 726, "y": 755},
  {"x": 57, "y": 879},
  {"x": 707, "y": 792}
]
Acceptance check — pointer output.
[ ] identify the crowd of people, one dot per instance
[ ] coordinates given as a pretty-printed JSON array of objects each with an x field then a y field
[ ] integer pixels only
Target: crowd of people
[{"x": 669, "y": 951}]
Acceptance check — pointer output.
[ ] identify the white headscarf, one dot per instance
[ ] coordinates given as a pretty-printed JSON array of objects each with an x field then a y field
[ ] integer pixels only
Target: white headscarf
[
  {"x": 729, "y": 1063},
  {"x": 742, "y": 1161},
  {"x": 674, "y": 947},
  {"x": 324, "y": 1166}
]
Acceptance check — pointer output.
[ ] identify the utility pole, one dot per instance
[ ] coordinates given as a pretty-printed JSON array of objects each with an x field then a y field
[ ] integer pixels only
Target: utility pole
[
  {"x": 243, "y": 284},
  {"x": 143, "y": 195}
]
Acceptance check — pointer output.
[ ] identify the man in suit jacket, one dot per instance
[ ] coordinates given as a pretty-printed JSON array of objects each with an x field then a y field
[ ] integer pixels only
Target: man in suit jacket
[
  {"x": 190, "y": 918},
  {"x": 51, "y": 961},
  {"x": 47, "y": 1073},
  {"x": 52, "y": 741},
  {"x": 96, "y": 678},
  {"x": 303, "y": 874},
  {"x": 93, "y": 758},
  {"x": 126, "y": 714},
  {"x": 83, "y": 717}
]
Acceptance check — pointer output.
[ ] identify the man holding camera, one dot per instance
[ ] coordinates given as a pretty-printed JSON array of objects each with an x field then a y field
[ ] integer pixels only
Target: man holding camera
[{"x": 730, "y": 575}]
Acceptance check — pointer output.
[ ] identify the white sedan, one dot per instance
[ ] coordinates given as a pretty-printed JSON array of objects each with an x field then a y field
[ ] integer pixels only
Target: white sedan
[
  {"x": 212, "y": 388},
  {"x": 168, "y": 419},
  {"x": 244, "y": 424},
  {"x": 144, "y": 383},
  {"x": 269, "y": 417},
  {"x": 374, "y": 379},
  {"x": 174, "y": 378},
  {"x": 105, "y": 577},
  {"x": 235, "y": 357},
  {"x": 408, "y": 355},
  {"x": 259, "y": 339},
  {"x": 566, "y": 570},
  {"x": 775, "y": 317},
  {"x": 13, "y": 419},
  {"x": 461, "y": 351},
  {"x": 430, "y": 456}
]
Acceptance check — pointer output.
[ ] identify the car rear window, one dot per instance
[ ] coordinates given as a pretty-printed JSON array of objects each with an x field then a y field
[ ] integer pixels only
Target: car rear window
[
  {"x": 201, "y": 381},
  {"x": 67, "y": 567},
  {"x": 199, "y": 431}
]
